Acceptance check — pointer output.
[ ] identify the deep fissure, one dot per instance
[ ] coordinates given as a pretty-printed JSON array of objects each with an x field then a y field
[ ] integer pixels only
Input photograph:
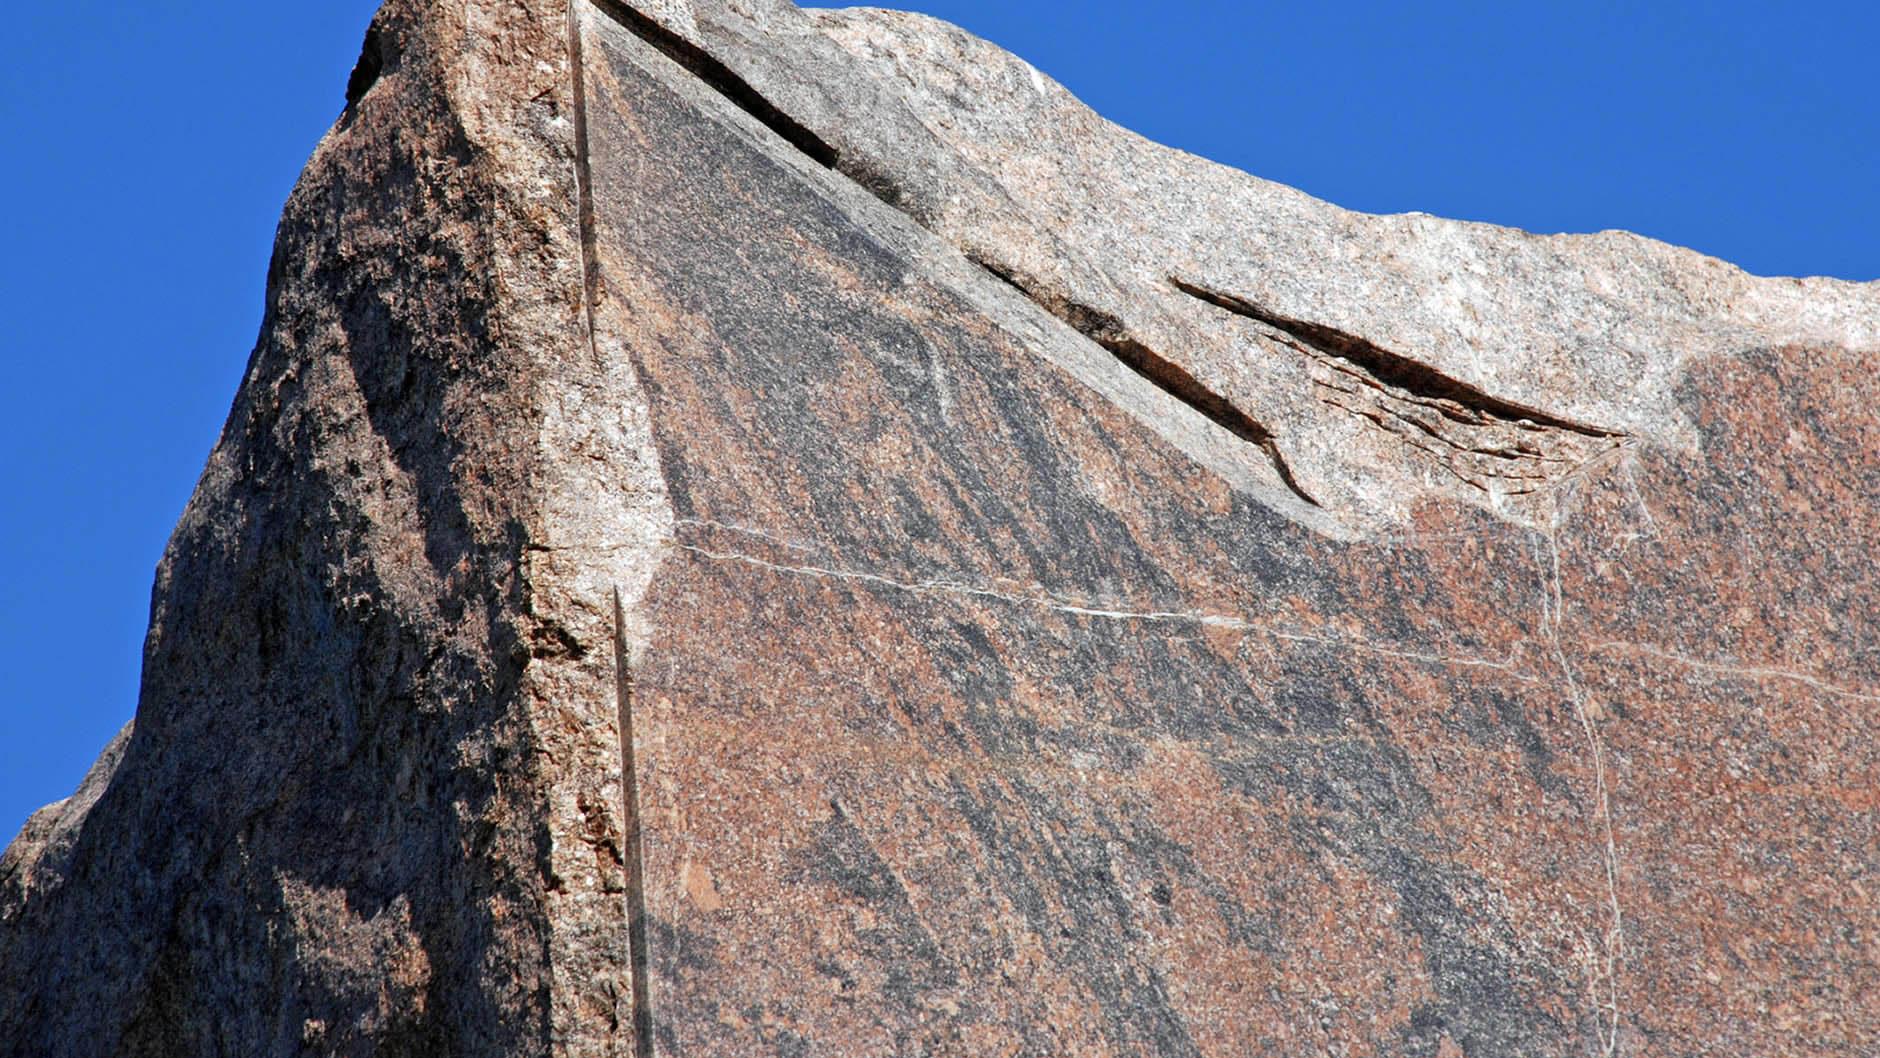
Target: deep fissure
[
  {"x": 1391, "y": 370},
  {"x": 721, "y": 79},
  {"x": 1102, "y": 328},
  {"x": 638, "y": 956},
  {"x": 1110, "y": 333}
]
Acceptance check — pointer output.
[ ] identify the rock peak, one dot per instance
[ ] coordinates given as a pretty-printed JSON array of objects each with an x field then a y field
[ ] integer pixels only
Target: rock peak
[{"x": 754, "y": 531}]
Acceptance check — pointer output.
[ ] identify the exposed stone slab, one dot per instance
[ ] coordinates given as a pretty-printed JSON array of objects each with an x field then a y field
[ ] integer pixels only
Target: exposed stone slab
[{"x": 758, "y": 532}]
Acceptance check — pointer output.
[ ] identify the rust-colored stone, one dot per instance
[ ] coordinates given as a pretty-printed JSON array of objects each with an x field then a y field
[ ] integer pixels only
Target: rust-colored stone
[{"x": 765, "y": 533}]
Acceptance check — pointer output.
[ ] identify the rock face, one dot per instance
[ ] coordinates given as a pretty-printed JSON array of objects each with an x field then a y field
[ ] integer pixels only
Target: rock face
[{"x": 763, "y": 532}]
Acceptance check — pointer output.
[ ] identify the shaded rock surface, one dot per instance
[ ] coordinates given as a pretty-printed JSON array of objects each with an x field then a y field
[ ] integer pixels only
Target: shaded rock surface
[{"x": 762, "y": 532}]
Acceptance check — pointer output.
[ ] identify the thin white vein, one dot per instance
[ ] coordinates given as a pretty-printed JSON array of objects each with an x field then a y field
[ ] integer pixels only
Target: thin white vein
[
  {"x": 948, "y": 586},
  {"x": 744, "y": 530},
  {"x": 1553, "y": 606},
  {"x": 1755, "y": 672},
  {"x": 953, "y": 586},
  {"x": 1630, "y": 465}
]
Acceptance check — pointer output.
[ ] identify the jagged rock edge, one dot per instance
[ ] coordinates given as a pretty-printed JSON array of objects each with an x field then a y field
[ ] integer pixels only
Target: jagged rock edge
[{"x": 1104, "y": 330}]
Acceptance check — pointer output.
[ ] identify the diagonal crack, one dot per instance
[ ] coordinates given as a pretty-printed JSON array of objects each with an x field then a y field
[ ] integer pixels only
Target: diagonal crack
[
  {"x": 1451, "y": 396},
  {"x": 1105, "y": 329},
  {"x": 1109, "y": 332},
  {"x": 721, "y": 78}
]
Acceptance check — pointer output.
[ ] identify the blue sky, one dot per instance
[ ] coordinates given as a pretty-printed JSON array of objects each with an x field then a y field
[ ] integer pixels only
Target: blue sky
[{"x": 148, "y": 155}]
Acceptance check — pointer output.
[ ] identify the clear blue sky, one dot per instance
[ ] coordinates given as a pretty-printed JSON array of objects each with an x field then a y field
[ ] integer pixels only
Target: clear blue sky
[{"x": 148, "y": 154}]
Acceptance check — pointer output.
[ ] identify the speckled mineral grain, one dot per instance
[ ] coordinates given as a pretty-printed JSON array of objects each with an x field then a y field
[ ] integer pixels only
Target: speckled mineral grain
[{"x": 763, "y": 532}]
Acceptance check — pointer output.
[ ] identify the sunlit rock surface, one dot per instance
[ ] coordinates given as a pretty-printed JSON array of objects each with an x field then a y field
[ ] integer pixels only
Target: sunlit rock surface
[{"x": 764, "y": 532}]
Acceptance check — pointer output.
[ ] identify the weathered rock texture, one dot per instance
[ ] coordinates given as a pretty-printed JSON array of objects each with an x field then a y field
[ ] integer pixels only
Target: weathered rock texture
[{"x": 763, "y": 532}]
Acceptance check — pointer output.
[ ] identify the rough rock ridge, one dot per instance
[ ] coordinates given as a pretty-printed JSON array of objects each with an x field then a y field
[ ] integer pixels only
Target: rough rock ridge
[{"x": 752, "y": 531}]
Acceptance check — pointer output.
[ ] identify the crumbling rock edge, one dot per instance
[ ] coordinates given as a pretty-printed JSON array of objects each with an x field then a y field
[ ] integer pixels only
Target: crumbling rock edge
[{"x": 1582, "y": 334}]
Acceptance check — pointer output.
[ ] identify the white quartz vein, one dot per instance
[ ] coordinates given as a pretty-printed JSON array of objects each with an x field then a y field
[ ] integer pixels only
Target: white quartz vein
[{"x": 1114, "y": 612}]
